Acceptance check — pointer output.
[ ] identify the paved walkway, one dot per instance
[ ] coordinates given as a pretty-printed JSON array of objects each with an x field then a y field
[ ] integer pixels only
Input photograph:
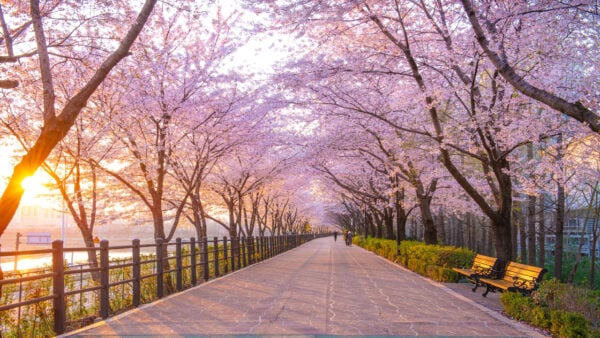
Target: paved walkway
[{"x": 320, "y": 288}]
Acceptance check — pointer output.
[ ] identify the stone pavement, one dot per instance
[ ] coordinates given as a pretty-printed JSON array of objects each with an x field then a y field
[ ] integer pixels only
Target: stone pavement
[{"x": 319, "y": 288}]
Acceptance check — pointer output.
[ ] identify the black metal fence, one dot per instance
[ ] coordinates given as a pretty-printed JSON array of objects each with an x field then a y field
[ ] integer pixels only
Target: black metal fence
[{"x": 63, "y": 297}]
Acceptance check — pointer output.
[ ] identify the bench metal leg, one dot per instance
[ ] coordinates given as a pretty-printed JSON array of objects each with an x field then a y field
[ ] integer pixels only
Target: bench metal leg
[{"x": 488, "y": 288}]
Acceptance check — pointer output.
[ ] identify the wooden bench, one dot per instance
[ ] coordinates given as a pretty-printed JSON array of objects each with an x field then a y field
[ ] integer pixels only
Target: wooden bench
[
  {"x": 517, "y": 277},
  {"x": 482, "y": 267}
]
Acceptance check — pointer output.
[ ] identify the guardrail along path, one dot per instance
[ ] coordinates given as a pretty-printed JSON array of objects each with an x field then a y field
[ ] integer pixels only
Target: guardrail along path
[{"x": 321, "y": 287}]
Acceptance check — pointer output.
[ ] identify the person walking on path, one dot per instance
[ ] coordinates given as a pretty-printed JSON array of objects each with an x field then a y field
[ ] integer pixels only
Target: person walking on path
[
  {"x": 349, "y": 238},
  {"x": 335, "y": 236}
]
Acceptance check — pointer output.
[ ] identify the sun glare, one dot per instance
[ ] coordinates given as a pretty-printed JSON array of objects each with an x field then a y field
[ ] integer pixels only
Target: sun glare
[
  {"x": 36, "y": 190},
  {"x": 33, "y": 184}
]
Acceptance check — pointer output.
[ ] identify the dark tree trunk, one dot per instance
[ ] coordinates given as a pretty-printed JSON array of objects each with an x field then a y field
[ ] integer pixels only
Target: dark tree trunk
[
  {"x": 531, "y": 203},
  {"x": 502, "y": 238},
  {"x": 560, "y": 222},
  {"x": 460, "y": 239},
  {"x": 542, "y": 232},
  {"x": 522, "y": 234},
  {"x": 389, "y": 223},
  {"x": 429, "y": 230},
  {"x": 441, "y": 230},
  {"x": 430, "y": 235},
  {"x": 531, "y": 212},
  {"x": 401, "y": 218}
]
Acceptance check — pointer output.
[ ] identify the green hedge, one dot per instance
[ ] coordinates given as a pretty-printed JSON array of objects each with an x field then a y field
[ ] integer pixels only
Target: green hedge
[
  {"x": 562, "y": 309},
  {"x": 433, "y": 261},
  {"x": 383, "y": 247}
]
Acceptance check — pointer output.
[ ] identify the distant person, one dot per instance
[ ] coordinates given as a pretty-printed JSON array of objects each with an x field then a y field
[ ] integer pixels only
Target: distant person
[
  {"x": 349, "y": 238},
  {"x": 335, "y": 236}
]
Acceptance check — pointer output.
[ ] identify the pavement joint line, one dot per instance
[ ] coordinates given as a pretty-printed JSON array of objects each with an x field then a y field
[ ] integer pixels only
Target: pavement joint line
[
  {"x": 158, "y": 301},
  {"x": 526, "y": 329}
]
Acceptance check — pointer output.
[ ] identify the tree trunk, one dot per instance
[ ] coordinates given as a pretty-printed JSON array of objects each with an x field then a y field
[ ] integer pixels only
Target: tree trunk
[
  {"x": 389, "y": 223},
  {"x": 531, "y": 249},
  {"x": 490, "y": 245},
  {"x": 429, "y": 230},
  {"x": 571, "y": 276},
  {"x": 413, "y": 229},
  {"x": 88, "y": 239},
  {"x": 470, "y": 235},
  {"x": 560, "y": 222},
  {"x": 593, "y": 253},
  {"x": 531, "y": 203},
  {"x": 460, "y": 239},
  {"x": 441, "y": 231},
  {"x": 502, "y": 238},
  {"x": 522, "y": 233},
  {"x": 378, "y": 223},
  {"x": 542, "y": 232},
  {"x": 401, "y": 219}
]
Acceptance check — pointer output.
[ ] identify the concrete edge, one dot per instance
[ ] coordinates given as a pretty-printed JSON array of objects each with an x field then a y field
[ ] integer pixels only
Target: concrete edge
[
  {"x": 528, "y": 330},
  {"x": 158, "y": 301}
]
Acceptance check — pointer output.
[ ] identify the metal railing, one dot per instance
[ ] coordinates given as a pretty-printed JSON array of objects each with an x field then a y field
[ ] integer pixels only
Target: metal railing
[{"x": 117, "y": 285}]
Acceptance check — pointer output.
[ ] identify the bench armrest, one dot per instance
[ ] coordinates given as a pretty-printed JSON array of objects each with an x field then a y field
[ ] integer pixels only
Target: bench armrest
[
  {"x": 481, "y": 270},
  {"x": 526, "y": 284}
]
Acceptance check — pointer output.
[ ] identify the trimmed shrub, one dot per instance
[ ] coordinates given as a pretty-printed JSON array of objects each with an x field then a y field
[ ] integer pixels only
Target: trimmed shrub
[
  {"x": 541, "y": 310},
  {"x": 569, "y": 324},
  {"x": 433, "y": 261},
  {"x": 560, "y": 296},
  {"x": 517, "y": 306}
]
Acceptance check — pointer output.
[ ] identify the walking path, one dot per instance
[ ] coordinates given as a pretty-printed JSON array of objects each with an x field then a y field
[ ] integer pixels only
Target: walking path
[{"x": 321, "y": 288}]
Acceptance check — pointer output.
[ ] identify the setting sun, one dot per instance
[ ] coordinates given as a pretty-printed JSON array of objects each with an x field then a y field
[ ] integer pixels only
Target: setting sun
[{"x": 36, "y": 189}]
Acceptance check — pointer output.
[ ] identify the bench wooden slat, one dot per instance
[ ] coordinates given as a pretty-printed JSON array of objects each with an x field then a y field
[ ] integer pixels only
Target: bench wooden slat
[{"x": 500, "y": 283}]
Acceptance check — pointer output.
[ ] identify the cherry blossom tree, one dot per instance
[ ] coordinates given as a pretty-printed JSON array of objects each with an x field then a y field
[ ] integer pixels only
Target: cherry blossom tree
[
  {"x": 573, "y": 36},
  {"x": 55, "y": 125},
  {"x": 168, "y": 98}
]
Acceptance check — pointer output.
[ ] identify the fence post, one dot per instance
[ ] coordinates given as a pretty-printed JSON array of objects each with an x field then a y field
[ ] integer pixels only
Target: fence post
[
  {"x": 193, "y": 260},
  {"x": 259, "y": 244},
  {"x": 233, "y": 252},
  {"x": 216, "y": 255},
  {"x": 279, "y": 244},
  {"x": 272, "y": 245},
  {"x": 243, "y": 251},
  {"x": 104, "y": 289},
  {"x": 225, "y": 256},
  {"x": 282, "y": 243},
  {"x": 205, "y": 271},
  {"x": 241, "y": 254},
  {"x": 178, "y": 265},
  {"x": 250, "y": 244},
  {"x": 58, "y": 287},
  {"x": 159, "y": 268},
  {"x": 238, "y": 252},
  {"x": 136, "y": 272}
]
